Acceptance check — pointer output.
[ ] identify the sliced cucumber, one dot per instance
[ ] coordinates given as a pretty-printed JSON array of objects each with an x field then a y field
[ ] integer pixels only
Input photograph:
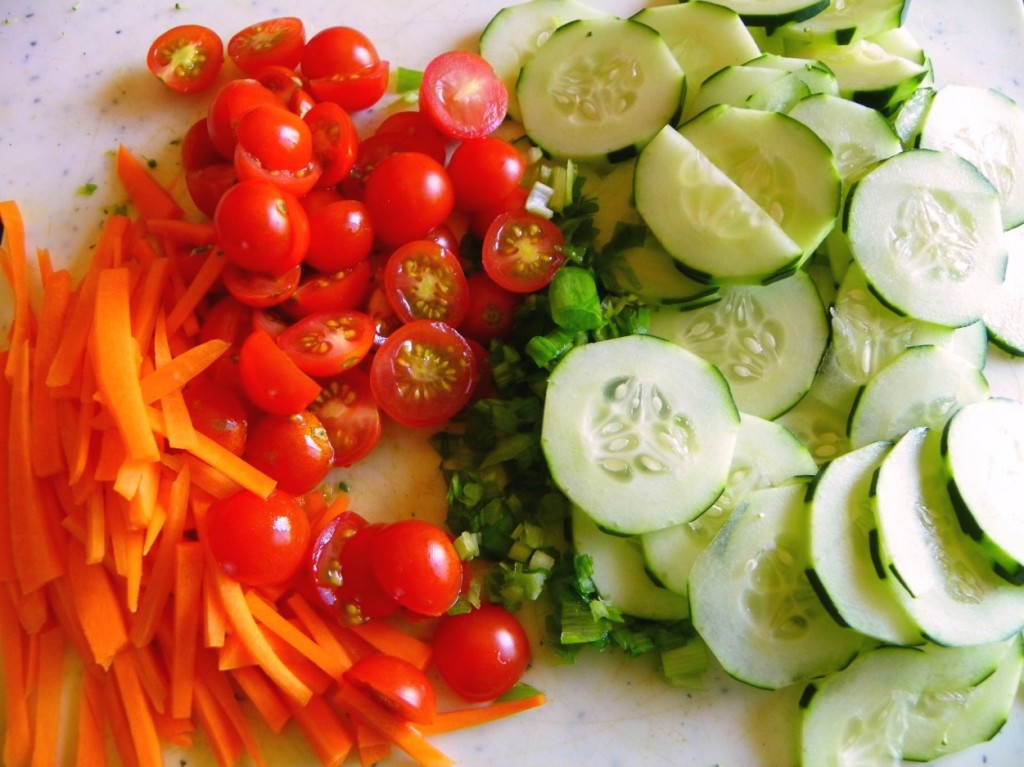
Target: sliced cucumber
[
  {"x": 1004, "y": 313},
  {"x": 924, "y": 386},
  {"x": 619, "y": 574},
  {"x": 925, "y": 227},
  {"x": 767, "y": 455},
  {"x": 514, "y": 34},
  {"x": 987, "y": 128},
  {"x": 599, "y": 89},
  {"x": 752, "y": 603},
  {"x": 942, "y": 578},
  {"x": 845, "y": 22},
  {"x": 983, "y": 444},
  {"x": 816, "y": 76},
  {"x": 773, "y": 13},
  {"x": 819, "y": 424},
  {"x": 841, "y": 569},
  {"x": 647, "y": 271},
  {"x": 748, "y": 86},
  {"x": 638, "y": 432},
  {"x": 716, "y": 231},
  {"x": 767, "y": 340}
]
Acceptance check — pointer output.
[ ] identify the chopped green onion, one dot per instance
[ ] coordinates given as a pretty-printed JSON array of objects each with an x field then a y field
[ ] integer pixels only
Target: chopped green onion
[
  {"x": 579, "y": 626},
  {"x": 87, "y": 189},
  {"x": 684, "y": 666},
  {"x": 407, "y": 80},
  {"x": 467, "y": 545}
]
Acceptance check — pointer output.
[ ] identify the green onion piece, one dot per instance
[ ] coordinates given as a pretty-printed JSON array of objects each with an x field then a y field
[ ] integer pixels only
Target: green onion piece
[
  {"x": 684, "y": 666},
  {"x": 467, "y": 545},
  {"x": 407, "y": 80},
  {"x": 87, "y": 189},
  {"x": 574, "y": 302},
  {"x": 579, "y": 626},
  {"x": 547, "y": 349}
]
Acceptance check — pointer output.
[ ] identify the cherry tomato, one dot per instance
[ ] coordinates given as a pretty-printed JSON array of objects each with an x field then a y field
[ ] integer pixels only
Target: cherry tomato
[
  {"x": 407, "y": 194},
  {"x": 197, "y": 149},
  {"x": 385, "y": 321},
  {"x": 325, "y": 344},
  {"x": 522, "y": 251},
  {"x": 270, "y": 379},
  {"x": 292, "y": 449},
  {"x": 276, "y": 138},
  {"x": 398, "y": 684},
  {"x": 269, "y": 319},
  {"x": 353, "y": 92},
  {"x": 272, "y": 42},
  {"x": 423, "y": 373},
  {"x": 359, "y": 596},
  {"x": 414, "y": 132},
  {"x": 484, "y": 171},
  {"x": 349, "y": 413},
  {"x": 218, "y": 413},
  {"x": 444, "y": 236},
  {"x": 329, "y": 292},
  {"x": 257, "y": 541},
  {"x": 320, "y": 197},
  {"x": 259, "y": 290},
  {"x": 490, "y": 311},
  {"x": 227, "y": 319},
  {"x": 186, "y": 58},
  {"x": 335, "y": 141},
  {"x": 481, "y": 654},
  {"x": 232, "y": 100},
  {"x": 208, "y": 184},
  {"x": 282, "y": 81},
  {"x": 462, "y": 95},
  {"x": 514, "y": 202},
  {"x": 261, "y": 228},
  {"x": 343, "y": 67},
  {"x": 340, "y": 236},
  {"x": 425, "y": 281},
  {"x": 323, "y": 566},
  {"x": 416, "y": 563}
]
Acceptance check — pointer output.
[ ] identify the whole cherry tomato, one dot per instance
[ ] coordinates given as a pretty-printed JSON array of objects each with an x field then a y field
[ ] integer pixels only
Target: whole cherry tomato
[
  {"x": 407, "y": 194},
  {"x": 415, "y": 562},
  {"x": 261, "y": 228},
  {"x": 292, "y": 449},
  {"x": 484, "y": 171}
]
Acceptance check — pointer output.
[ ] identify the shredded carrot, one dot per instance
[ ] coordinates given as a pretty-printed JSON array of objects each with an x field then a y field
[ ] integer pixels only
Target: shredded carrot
[
  {"x": 17, "y": 263},
  {"x": 97, "y": 607},
  {"x": 176, "y": 373},
  {"x": 188, "y": 577},
  {"x": 329, "y": 736},
  {"x": 209, "y": 679},
  {"x": 475, "y": 716},
  {"x": 372, "y": 746},
  {"x": 191, "y": 233},
  {"x": 49, "y": 679},
  {"x": 13, "y": 642},
  {"x": 7, "y": 570},
  {"x": 390, "y": 640},
  {"x": 151, "y": 199},
  {"x": 56, "y": 298},
  {"x": 268, "y": 615},
  {"x": 263, "y": 695},
  {"x": 90, "y": 745},
  {"x": 197, "y": 290}
]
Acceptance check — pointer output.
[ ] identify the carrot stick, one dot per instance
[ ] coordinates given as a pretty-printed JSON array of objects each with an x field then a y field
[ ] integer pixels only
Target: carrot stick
[
  {"x": 225, "y": 742},
  {"x": 141, "y": 726},
  {"x": 388, "y": 639},
  {"x": 90, "y": 746},
  {"x": 7, "y": 571},
  {"x": 174, "y": 375},
  {"x": 152, "y": 675},
  {"x": 56, "y": 296},
  {"x": 21, "y": 328},
  {"x": 321, "y": 633},
  {"x": 219, "y": 685},
  {"x": 151, "y": 199},
  {"x": 46, "y": 726},
  {"x": 474, "y": 716},
  {"x": 204, "y": 280},
  {"x": 266, "y": 614},
  {"x": 325, "y": 731},
  {"x": 194, "y": 233},
  {"x": 117, "y": 365},
  {"x": 371, "y": 746},
  {"x": 97, "y": 607},
  {"x": 188, "y": 579},
  {"x": 263, "y": 695},
  {"x": 142, "y": 505},
  {"x": 147, "y": 301},
  {"x": 215, "y": 619},
  {"x": 117, "y": 722},
  {"x": 18, "y": 732},
  {"x": 181, "y": 433}
]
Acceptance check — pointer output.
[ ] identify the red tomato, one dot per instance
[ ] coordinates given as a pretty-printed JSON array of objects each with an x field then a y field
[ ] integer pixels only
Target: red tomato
[
  {"x": 270, "y": 379},
  {"x": 484, "y": 172},
  {"x": 522, "y": 251},
  {"x": 423, "y": 373},
  {"x": 257, "y": 541},
  {"x": 228, "y": 319},
  {"x": 385, "y": 321},
  {"x": 292, "y": 449},
  {"x": 186, "y": 58},
  {"x": 359, "y": 596},
  {"x": 207, "y": 185},
  {"x": 283, "y": 81},
  {"x": 414, "y": 132},
  {"x": 320, "y": 197},
  {"x": 261, "y": 228},
  {"x": 340, "y": 236},
  {"x": 343, "y": 67},
  {"x": 462, "y": 95},
  {"x": 322, "y": 565},
  {"x": 425, "y": 281},
  {"x": 353, "y": 92},
  {"x": 398, "y": 684},
  {"x": 259, "y": 290},
  {"x": 514, "y": 202},
  {"x": 276, "y": 138},
  {"x": 407, "y": 194},
  {"x": 325, "y": 344},
  {"x": 229, "y": 103},
  {"x": 276, "y": 42},
  {"x": 416, "y": 563},
  {"x": 490, "y": 310},
  {"x": 349, "y": 413},
  {"x": 335, "y": 141},
  {"x": 197, "y": 149},
  {"x": 481, "y": 654},
  {"x": 330, "y": 292},
  {"x": 218, "y": 413},
  {"x": 443, "y": 235},
  {"x": 269, "y": 319}
]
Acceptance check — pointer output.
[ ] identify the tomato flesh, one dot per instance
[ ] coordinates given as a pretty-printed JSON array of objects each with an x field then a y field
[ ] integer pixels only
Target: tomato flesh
[
  {"x": 186, "y": 58},
  {"x": 522, "y": 251},
  {"x": 326, "y": 344},
  {"x": 349, "y": 413},
  {"x": 273, "y": 42},
  {"x": 270, "y": 379},
  {"x": 425, "y": 281},
  {"x": 462, "y": 95}
]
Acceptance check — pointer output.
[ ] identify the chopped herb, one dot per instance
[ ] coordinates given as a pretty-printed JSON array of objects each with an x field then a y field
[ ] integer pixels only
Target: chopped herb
[
  {"x": 407, "y": 80},
  {"x": 86, "y": 190}
]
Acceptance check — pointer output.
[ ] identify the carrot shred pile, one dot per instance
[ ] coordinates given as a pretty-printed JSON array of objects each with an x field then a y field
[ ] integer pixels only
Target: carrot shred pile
[{"x": 102, "y": 481}]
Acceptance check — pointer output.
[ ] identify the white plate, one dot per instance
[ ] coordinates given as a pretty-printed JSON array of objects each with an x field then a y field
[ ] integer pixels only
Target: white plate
[{"x": 75, "y": 85}]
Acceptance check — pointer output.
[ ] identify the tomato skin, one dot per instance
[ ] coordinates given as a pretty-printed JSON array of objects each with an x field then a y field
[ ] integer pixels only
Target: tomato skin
[
  {"x": 325, "y": 344},
  {"x": 398, "y": 684},
  {"x": 197, "y": 149},
  {"x": 323, "y": 562},
  {"x": 208, "y": 184},
  {"x": 340, "y": 236},
  {"x": 423, "y": 373},
  {"x": 292, "y": 449},
  {"x": 257, "y": 541},
  {"x": 270, "y": 380},
  {"x": 329, "y": 292},
  {"x": 186, "y": 58},
  {"x": 484, "y": 171},
  {"x": 407, "y": 194},
  {"x": 522, "y": 251},
  {"x": 514, "y": 202},
  {"x": 335, "y": 141},
  {"x": 218, "y": 413},
  {"x": 349, "y": 413},
  {"x": 425, "y": 281},
  {"x": 353, "y": 92},
  {"x": 462, "y": 95},
  {"x": 273, "y": 42},
  {"x": 481, "y": 654},
  {"x": 338, "y": 50},
  {"x": 258, "y": 290},
  {"x": 490, "y": 311},
  {"x": 231, "y": 101},
  {"x": 416, "y": 563},
  {"x": 359, "y": 596},
  {"x": 278, "y": 139},
  {"x": 261, "y": 228}
]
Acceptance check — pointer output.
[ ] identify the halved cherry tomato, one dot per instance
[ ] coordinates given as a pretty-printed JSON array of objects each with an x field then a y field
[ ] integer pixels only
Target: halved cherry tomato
[
  {"x": 257, "y": 541},
  {"x": 270, "y": 319},
  {"x": 282, "y": 81},
  {"x": 329, "y": 292},
  {"x": 276, "y": 42},
  {"x": 490, "y": 311},
  {"x": 292, "y": 449},
  {"x": 207, "y": 185},
  {"x": 261, "y": 227},
  {"x": 522, "y": 251},
  {"x": 462, "y": 95},
  {"x": 423, "y": 373},
  {"x": 353, "y": 92},
  {"x": 186, "y": 58},
  {"x": 385, "y": 321},
  {"x": 340, "y": 236},
  {"x": 232, "y": 100},
  {"x": 407, "y": 194},
  {"x": 197, "y": 149},
  {"x": 359, "y": 596},
  {"x": 415, "y": 562},
  {"x": 323, "y": 565},
  {"x": 227, "y": 319},
  {"x": 398, "y": 684},
  {"x": 217, "y": 412},
  {"x": 259, "y": 290},
  {"x": 335, "y": 141},
  {"x": 343, "y": 67},
  {"x": 425, "y": 281},
  {"x": 481, "y": 654},
  {"x": 276, "y": 138},
  {"x": 325, "y": 344},
  {"x": 349, "y": 413},
  {"x": 270, "y": 379}
]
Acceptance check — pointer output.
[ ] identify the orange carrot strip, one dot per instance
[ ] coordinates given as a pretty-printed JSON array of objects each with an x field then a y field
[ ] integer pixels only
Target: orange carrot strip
[
  {"x": 95, "y": 529},
  {"x": 235, "y": 654},
  {"x": 215, "y": 619},
  {"x": 219, "y": 685},
  {"x": 194, "y": 233},
  {"x": 239, "y": 616},
  {"x": 181, "y": 434},
  {"x": 268, "y": 615},
  {"x": 371, "y": 746},
  {"x": 146, "y": 194},
  {"x": 205, "y": 279},
  {"x": 7, "y": 571},
  {"x": 47, "y": 461},
  {"x": 97, "y": 606},
  {"x": 152, "y": 675},
  {"x": 46, "y": 725},
  {"x": 388, "y": 639},
  {"x": 141, "y": 726},
  {"x": 225, "y": 742},
  {"x": 147, "y": 301},
  {"x": 263, "y": 695},
  {"x": 474, "y": 716},
  {"x": 325, "y": 731},
  {"x": 363, "y": 708},
  {"x": 17, "y": 747},
  {"x": 174, "y": 375},
  {"x": 321, "y": 633},
  {"x": 188, "y": 579},
  {"x": 112, "y": 456},
  {"x": 117, "y": 365},
  {"x": 142, "y": 505},
  {"x": 21, "y": 327},
  {"x": 32, "y": 608},
  {"x": 116, "y": 717},
  {"x": 90, "y": 746},
  {"x": 134, "y": 540},
  {"x": 204, "y": 477}
]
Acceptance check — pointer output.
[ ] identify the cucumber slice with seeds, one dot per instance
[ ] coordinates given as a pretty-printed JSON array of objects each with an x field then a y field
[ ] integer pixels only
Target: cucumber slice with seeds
[{"x": 773, "y": 13}]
